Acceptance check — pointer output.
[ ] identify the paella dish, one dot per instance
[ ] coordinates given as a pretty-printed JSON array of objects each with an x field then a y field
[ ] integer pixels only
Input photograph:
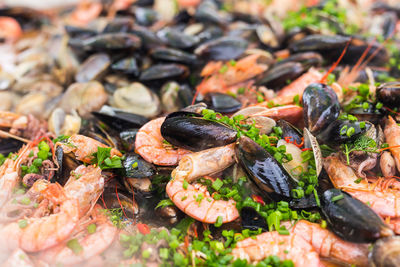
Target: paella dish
[{"x": 200, "y": 133}]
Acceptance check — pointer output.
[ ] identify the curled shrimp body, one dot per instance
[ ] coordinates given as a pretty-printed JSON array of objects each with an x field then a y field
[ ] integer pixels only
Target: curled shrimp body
[
  {"x": 386, "y": 203},
  {"x": 194, "y": 199},
  {"x": 85, "y": 185},
  {"x": 392, "y": 135},
  {"x": 41, "y": 233},
  {"x": 150, "y": 145},
  {"x": 83, "y": 147},
  {"x": 286, "y": 247},
  {"x": 93, "y": 244}
]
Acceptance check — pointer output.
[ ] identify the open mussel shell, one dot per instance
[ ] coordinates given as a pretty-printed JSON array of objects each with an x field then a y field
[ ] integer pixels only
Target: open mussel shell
[
  {"x": 136, "y": 167},
  {"x": 120, "y": 199},
  {"x": 389, "y": 94},
  {"x": 336, "y": 132},
  {"x": 224, "y": 48},
  {"x": 93, "y": 68},
  {"x": 66, "y": 163},
  {"x": 263, "y": 169},
  {"x": 120, "y": 120},
  {"x": 311, "y": 142},
  {"x": 222, "y": 102},
  {"x": 278, "y": 75},
  {"x": 252, "y": 220},
  {"x": 321, "y": 107},
  {"x": 184, "y": 130},
  {"x": 386, "y": 252},
  {"x": 289, "y": 131},
  {"x": 164, "y": 71},
  {"x": 351, "y": 219},
  {"x": 372, "y": 114}
]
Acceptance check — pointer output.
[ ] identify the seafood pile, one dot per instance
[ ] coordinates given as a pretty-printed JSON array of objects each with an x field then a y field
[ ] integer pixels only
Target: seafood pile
[{"x": 200, "y": 133}]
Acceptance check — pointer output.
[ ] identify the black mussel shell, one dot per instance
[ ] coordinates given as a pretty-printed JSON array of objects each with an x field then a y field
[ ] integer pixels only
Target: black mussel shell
[
  {"x": 252, "y": 220},
  {"x": 127, "y": 66},
  {"x": 108, "y": 42},
  {"x": 173, "y": 55},
  {"x": 66, "y": 163},
  {"x": 386, "y": 252},
  {"x": 278, "y": 75},
  {"x": 318, "y": 42},
  {"x": 307, "y": 59},
  {"x": 289, "y": 131},
  {"x": 372, "y": 114},
  {"x": 8, "y": 145},
  {"x": 119, "y": 24},
  {"x": 336, "y": 132},
  {"x": 121, "y": 120},
  {"x": 389, "y": 94},
  {"x": 351, "y": 219},
  {"x": 136, "y": 167},
  {"x": 120, "y": 199},
  {"x": 321, "y": 107},
  {"x": 263, "y": 169},
  {"x": 128, "y": 138},
  {"x": 164, "y": 71},
  {"x": 222, "y": 102},
  {"x": 306, "y": 202},
  {"x": 224, "y": 48},
  {"x": 176, "y": 38},
  {"x": 145, "y": 16},
  {"x": 196, "y": 133}
]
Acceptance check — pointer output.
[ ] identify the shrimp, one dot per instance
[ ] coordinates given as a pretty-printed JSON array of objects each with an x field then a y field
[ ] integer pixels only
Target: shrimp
[
  {"x": 84, "y": 147},
  {"x": 85, "y": 184},
  {"x": 290, "y": 113},
  {"x": 42, "y": 233},
  {"x": 18, "y": 259},
  {"x": 222, "y": 81},
  {"x": 92, "y": 243},
  {"x": 297, "y": 87},
  {"x": 328, "y": 245},
  {"x": 150, "y": 146},
  {"x": 306, "y": 243},
  {"x": 286, "y": 247},
  {"x": 9, "y": 28},
  {"x": 392, "y": 135},
  {"x": 85, "y": 12},
  {"x": 385, "y": 203},
  {"x": 9, "y": 175},
  {"x": 194, "y": 200}
]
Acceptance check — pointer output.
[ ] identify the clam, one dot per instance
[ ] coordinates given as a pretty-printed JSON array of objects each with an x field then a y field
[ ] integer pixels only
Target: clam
[
  {"x": 136, "y": 98},
  {"x": 61, "y": 123}
]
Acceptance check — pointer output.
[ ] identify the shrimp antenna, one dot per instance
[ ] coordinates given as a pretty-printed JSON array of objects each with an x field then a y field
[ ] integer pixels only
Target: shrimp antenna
[{"x": 323, "y": 80}]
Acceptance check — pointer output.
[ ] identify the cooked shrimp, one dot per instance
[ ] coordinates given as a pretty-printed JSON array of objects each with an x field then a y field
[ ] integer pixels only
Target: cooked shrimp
[
  {"x": 83, "y": 147},
  {"x": 9, "y": 178},
  {"x": 387, "y": 164},
  {"x": 194, "y": 199},
  {"x": 290, "y": 113},
  {"x": 392, "y": 136},
  {"x": 386, "y": 203},
  {"x": 18, "y": 259},
  {"x": 92, "y": 243},
  {"x": 286, "y": 247},
  {"x": 44, "y": 232},
  {"x": 150, "y": 145},
  {"x": 85, "y": 184},
  {"x": 9, "y": 28},
  {"x": 217, "y": 81},
  {"x": 85, "y": 12},
  {"x": 328, "y": 245}
]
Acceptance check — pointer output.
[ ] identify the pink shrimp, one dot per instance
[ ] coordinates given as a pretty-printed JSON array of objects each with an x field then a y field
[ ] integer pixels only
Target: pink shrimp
[
  {"x": 83, "y": 147},
  {"x": 217, "y": 81},
  {"x": 194, "y": 200},
  {"x": 86, "y": 184},
  {"x": 386, "y": 203},
  {"x": 149, "y": 144},
  {"x": 286, "y": 247},
  {"x": 42, "y": 233},
  {"x": 290, "y": 113},
  {"x": 392, "y": 135},
  {"x": 306, "y": 243},
  {"x": 9, "y": 28},
  {"x": 18, "y": 258},
  {"x": 92, "y": 243}
]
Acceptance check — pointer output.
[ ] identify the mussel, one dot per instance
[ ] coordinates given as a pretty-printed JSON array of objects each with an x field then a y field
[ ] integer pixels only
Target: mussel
[
  {"x": 222, "y": 102},
  {"x": 389, "y": 94},
  {"x": 321, "y": 107},
  {"x": 186, "y": 130},
  {"x": 351, "y": 219},
  {"x": 338, "y": 132},
  {"x": 386, "y": 252},
  {"x": 252, "y": 220},
  {"x": 263, "y": 169}
]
